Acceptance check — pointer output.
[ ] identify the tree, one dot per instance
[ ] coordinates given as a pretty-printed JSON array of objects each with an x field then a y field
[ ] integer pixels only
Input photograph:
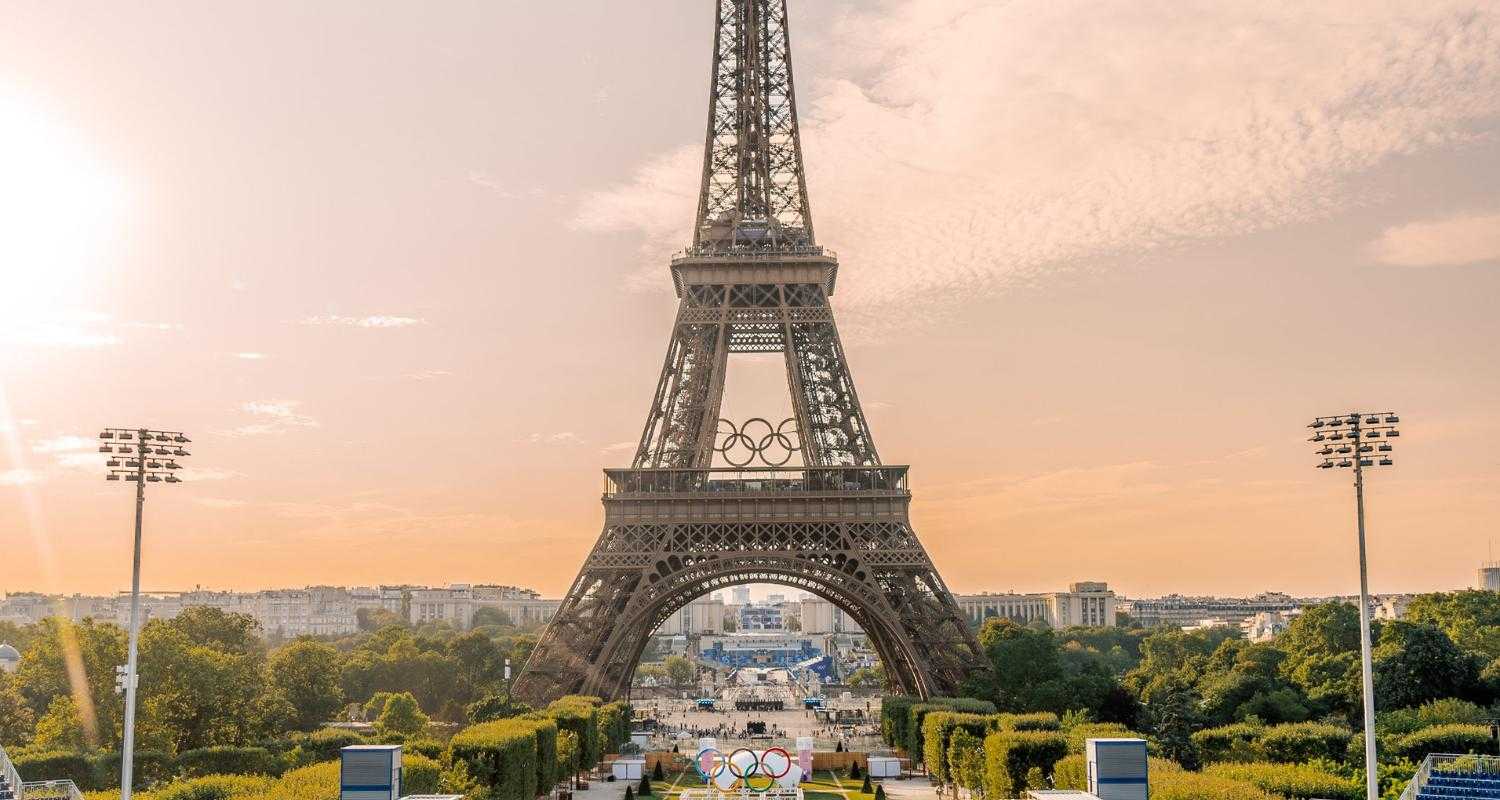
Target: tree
[
  {"x": 17, "y": 721},
  {"x": 1322, "y": 657},
  {"x": 216, "y": 629},
  {"x": 200, "y": 683},
  {"x": 373, "y": 619},
  {"x": 402, "y": 715},
  {"x": 490, "y": 616},
  {"x": 1174, "y": 718},
  {"x": 481, "y": 663},
  {"x": 657, "y": 774},
  {"x": 679, "y": 670},
  {"x": 498, "y": 705},
  {"x": 89, "y": 651},
  {"x": 645, "y": 789},
  {"x": 306, "y": 674},
  {"x": 60, "y": 728},
  {"x": 1471, "y": 618},
  {"x": 868, "y": 676},
  {"x": 1416, "y": 662}
]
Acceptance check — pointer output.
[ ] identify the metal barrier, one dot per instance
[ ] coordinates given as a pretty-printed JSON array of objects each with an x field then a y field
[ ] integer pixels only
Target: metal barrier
[
  {"x": 1449, "y": 762},
  {"x": 50, "y": 790},
  {"x": 8, "y": 776}
]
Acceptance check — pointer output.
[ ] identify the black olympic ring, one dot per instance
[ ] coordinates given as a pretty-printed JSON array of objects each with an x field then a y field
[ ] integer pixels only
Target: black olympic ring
[{"x": 753, "y": 444}]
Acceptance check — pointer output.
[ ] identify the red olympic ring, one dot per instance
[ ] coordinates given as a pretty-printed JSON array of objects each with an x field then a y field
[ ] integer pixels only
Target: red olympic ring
[{"x": 784, "y": 754}]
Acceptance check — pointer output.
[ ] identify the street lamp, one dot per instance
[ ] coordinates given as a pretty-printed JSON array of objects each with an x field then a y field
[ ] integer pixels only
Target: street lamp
[
  {"x": 143, "y": 456},
  {"x": 1358, "y": 440}
]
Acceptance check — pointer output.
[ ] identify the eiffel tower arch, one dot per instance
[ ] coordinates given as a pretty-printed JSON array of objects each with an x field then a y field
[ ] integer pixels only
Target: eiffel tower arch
[{"x": 709, "y": 503}]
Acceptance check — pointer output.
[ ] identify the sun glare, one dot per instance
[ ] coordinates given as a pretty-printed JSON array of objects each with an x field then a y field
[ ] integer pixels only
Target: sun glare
[{"x": 59, "y": 207}]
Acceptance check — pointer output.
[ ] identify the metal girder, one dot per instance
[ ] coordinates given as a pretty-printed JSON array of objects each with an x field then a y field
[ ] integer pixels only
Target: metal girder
[
  {"x": 754, "y": 190},
  {"x": 640, "y": 574},
  {"x": 676, "y": 527}
]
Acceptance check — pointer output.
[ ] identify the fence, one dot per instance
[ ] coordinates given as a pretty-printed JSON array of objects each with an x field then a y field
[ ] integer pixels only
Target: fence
[
  {"x": 8, "y": 776},
  {"x": 1450, "y": 762}
]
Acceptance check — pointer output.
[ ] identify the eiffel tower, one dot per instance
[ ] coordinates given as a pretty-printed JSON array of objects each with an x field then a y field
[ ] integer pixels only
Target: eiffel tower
[{"x": 709, "y": 503}]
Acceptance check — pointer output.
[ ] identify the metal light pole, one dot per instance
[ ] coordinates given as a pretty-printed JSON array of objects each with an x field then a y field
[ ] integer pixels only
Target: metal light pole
[
  {"x": 148, "y": 457},
  {"x": 1360, "y": 440}
]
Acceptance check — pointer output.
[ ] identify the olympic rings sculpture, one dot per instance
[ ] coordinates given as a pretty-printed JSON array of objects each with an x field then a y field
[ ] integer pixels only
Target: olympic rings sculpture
[
  {"x": 741, "y": 445},
  {"x": 759, "y": 766}
]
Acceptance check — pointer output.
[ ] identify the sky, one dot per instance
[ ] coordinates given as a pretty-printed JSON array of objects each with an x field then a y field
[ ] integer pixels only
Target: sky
[{"x": 400, "y": 271}]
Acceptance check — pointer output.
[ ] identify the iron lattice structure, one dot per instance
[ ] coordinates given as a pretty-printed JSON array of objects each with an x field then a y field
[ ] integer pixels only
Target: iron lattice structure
[{"x": 678, "y": 526}]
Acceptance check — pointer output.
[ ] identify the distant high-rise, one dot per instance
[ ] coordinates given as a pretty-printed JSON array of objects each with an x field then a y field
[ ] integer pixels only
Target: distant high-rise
[
  {"x": 1489, "y": 577},
  {"x": 741, "y": 595}
]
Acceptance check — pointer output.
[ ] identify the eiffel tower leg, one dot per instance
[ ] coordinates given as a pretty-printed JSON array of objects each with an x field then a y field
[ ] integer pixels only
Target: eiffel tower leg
[
  {"x": 685, "y": 409},
  {"x": 641, "y": 574}
]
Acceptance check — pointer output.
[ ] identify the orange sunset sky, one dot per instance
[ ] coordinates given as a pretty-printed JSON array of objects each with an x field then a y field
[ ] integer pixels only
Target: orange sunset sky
[{"x": 400, "y": 270}]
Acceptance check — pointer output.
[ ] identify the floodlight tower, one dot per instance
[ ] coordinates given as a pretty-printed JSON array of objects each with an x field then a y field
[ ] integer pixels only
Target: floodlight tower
[
  {"x": 144, "y": 456},
  {"x": 1358, "y": 440}
]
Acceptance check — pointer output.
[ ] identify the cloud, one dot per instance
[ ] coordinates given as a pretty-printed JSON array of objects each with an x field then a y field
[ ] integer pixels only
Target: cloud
[
  {"x": 1465, "y": 239},
  {"x": 19, "y": 477},
  {"x": 372, "y": 321},
  {"x": 155, "y": 326},
  {"x": 962, "y": 147},
  {"x": 277, "y": 417},
  {"x": 64, "y": 444},
  {"x": 428, "y": 374},
  {"x": 219, "y": 502},
  {"x": 619, "y": 447},
  {"x": 251, "y": 356},
  {"x": 483, "y": 180},
  {"x": 560, "y": 438}
]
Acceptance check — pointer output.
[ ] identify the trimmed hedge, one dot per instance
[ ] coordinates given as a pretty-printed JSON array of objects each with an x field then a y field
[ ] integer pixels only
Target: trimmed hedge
[
  {"x": 937, "y": 729},
  {"x": 894, "y": 713},
  {"x": 1010, "y": 755},
  {"x": 58, "y": 765},
  {"x": 151, "y": 767},
  {"x": 1078, "y": 735},
  {"x": 1237, "y": 742},
  {"x": 1184, "y": 785},
  {"x": 965, "y": 761},
  {"x": 1039, "y": 721},
  {"x": 1297, "y": 742},
  {"x": 1292, "y": 781},
  {"x": 323, "y": 745},
  {"x": 501, "y": 756},
  {"x": 1072, "y": 772},
  {"x": 215, "y": 787},
  {"x": 614, "y": 725},
  {"x": 227, "y": 761},
  {"x": 581, "y": 716},
  {"x": 917, "y": 712},
  {"x": 420, "y": 774},
  {"x": 548, "y": 772},
  {"x": 1451, "y": 738}
]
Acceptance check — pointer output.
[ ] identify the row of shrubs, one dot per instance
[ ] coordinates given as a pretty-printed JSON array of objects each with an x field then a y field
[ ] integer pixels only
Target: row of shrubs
[
  {"x": 521, "y": 757},
  {"x": 587, "y": 727},
  {"x": 509, "y": 759},
  {"x": 1005, "y": 755},
  {"x": 1306, "y": 741},
  {"x": 316, "y": 782},
  {"x": 94, "y": 770}
]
